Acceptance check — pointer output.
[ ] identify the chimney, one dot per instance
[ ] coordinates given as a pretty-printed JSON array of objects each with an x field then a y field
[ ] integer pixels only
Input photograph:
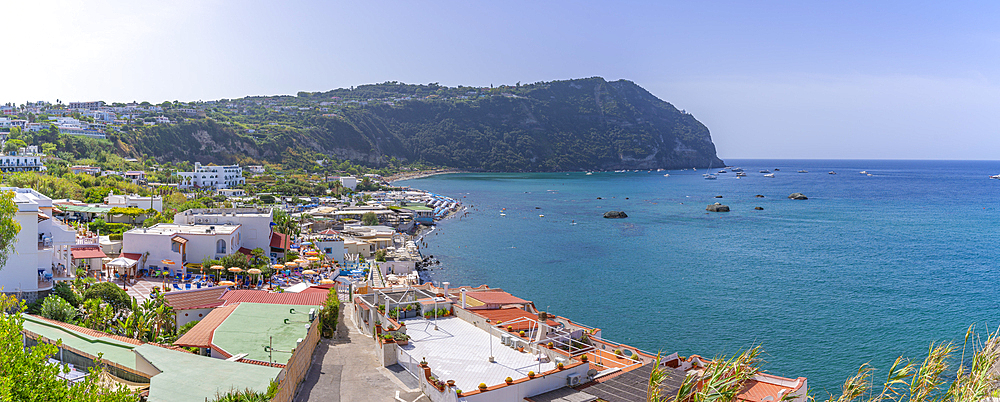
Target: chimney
[
  {"x": 463, "y": 298},
  {"x": 446, "y": 286}
]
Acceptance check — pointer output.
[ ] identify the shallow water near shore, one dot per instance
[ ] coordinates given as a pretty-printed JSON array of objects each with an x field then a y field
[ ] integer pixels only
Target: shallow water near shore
[{"x": 867, "y": 269}]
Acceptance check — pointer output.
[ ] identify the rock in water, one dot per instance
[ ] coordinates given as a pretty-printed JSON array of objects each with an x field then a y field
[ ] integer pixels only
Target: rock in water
[
  {"x": 718, "y": 196},
  {"x": 759, "y": 196},
  {"x": 615, "y": 215},
  {"x": 798, "y": 196},
  {"x": 759, "y": 208},
  {"x": 717, "y": 208}
]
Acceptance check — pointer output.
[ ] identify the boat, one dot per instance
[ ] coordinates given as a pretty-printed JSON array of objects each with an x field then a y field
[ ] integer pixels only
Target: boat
[
  {"x": 659, "y": 170},
  {"x": 503, "y": 214},
  {"x": 996, "y": 176},
  {"x": 869, "y": 174},
  {"x": 803, "y": 171},
  {"x": 765, "y": 171},
  {"x": 769, "y": 175},
  {"x": 741, "y": 174},
  {"x": 864, "y": 172},
  {"x": 722, "y": 171},
  {"x": 666, "y": 175},
  {"x": 737, "y": 169},
  {"x": 711, "y": 177},
  {"x": 832, "y": 172},
  {"x": 776, "y": 169}
]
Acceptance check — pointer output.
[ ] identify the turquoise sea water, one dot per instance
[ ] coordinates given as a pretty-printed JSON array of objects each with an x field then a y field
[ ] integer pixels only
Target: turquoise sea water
[{"x": 867, "y": 269}]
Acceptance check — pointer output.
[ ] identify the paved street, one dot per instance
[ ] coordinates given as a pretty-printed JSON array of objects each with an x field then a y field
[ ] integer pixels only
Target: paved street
[{"x": 344, "y": 369}]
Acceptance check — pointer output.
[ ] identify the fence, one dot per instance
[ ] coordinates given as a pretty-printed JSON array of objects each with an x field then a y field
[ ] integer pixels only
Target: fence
[
  {"x": 298, "y": 365},
  {"x": 411, "y": 365}
]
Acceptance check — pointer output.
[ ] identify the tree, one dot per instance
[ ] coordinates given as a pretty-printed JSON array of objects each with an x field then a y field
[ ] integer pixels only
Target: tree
[
  {"x": 66, "y": 292},
  {"x": 8, "y": 226},
  {"x": 369, "y": 219},
  {"x": 109, "y": 293},
  {"x": 13, "y": 145},
  {"x": 55, "y": 308},
  {"x": 26, "y": 375}
]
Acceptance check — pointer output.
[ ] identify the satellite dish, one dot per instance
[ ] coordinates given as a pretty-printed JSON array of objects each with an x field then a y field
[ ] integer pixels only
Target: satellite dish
[{"x": 591, "y": 373}]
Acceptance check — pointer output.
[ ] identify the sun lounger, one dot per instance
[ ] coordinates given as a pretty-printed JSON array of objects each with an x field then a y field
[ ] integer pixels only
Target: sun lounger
[{"x": 177, "y": 287}]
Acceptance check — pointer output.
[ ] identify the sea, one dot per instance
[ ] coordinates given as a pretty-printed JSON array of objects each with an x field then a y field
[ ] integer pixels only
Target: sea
[{"x": 871, "y": 267}]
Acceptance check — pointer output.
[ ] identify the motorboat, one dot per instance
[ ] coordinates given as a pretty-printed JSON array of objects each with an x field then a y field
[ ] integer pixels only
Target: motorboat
[
  {"x": 769, "y": 175},
  {"x": 741, "y": 174},
  {"x": 711, "y": 177},
  {"x": 666, "y": 175},
  {"x": 765, "y": 171},
  {"x": 996, "y": 176},
  {"x": 737, "y": 169},
  {"x": 832, "y": 172},
  {"x": 722, "y": 171},
  {"x": 864, "y": 172},
  {"x": 589, "y": 173},
  {"x": 803, "y": 171}
]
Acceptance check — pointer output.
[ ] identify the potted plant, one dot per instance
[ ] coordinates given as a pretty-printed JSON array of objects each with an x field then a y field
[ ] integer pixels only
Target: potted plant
[
  {"x": 635, "y": 357},
  {"x": 618, "y": 352},
  {"x": 559, "y": 366},
  {"x": 451, "y": 383},
  {"x": 584, "y": 358},
  {"x": 531, "y": 374},
  {"x": 387, "y": 338},
  {"x": 521, "y": 333},
  {"x": 550, "y": 345},
  {"x": 458, "y": 392},
  {"x": 482, "y": 387},
  {"x": 401, "y": 338},
  {"x": 423, "y": 362},
  {"x": 508, "y": 380},
  {"x": 510, "y": 328}
]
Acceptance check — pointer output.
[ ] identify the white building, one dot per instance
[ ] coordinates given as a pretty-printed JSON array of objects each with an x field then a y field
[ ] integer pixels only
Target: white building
[
  {"x": 181, "y": 244},
  {"x": 212, "y": 176},
  {"x": 135, "y": 176},
  {"x": 232, "y": 192},
  {"x": 255, "y": 222},
  {"x": 42, "y": 249},
  {"x": 134, "y": 201},
  {"x": 350, "y": 182},
  {"x": 24, "y": 160},
  {"x": 256, "y": 168}
]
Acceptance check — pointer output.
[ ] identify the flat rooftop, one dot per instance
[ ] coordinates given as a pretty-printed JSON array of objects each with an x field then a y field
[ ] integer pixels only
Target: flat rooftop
[
  {"x": 94, "y": 343},
  {"x": 459, "y": 351},
  {"x": 173, "y": 228},
  {"x": 252, "y": 326},
  {"x": 189, "y": 377}
]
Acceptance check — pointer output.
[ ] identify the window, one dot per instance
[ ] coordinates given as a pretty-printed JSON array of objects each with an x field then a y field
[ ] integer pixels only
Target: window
[{"x": 220, "y": 247}]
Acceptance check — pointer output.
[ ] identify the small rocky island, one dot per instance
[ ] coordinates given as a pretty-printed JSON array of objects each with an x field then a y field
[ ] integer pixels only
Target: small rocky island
[
  {"x": 615, "y": 215},
  {"x": 798, "y": 196},
  {"x": 717, "y": 207}
]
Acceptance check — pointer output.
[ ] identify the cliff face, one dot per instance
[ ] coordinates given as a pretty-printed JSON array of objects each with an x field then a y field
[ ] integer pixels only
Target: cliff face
[{"x": 583, "y": 124}]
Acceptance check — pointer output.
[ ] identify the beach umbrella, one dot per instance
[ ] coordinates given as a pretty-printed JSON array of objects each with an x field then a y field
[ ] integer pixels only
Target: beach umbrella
[
  {"x": 218, "y": 267},
  {"x": 235, "y": 269},
  {"x": 311, "y": 252},
  {"x": 278, "y": 266},
  {"x": 309, "y": 272},
  {"x": 313, "y": 259},
  {"x": 227, "y": 283},
  {"x": 253, "y": 271},
  {"x": 326, "y": 282},
  {"x": 291, "y": 264}
]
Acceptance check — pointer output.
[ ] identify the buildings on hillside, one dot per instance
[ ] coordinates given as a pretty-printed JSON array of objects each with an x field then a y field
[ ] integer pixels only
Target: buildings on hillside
[
  {"x": 172, "y": 246},
  {"x": 27, "y": 159},
  {"x": 255, "y": 223},
  {"x": 212, "y": 176}
]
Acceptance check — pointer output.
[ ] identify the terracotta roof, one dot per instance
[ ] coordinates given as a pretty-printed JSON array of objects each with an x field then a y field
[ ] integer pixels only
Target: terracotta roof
[
  {"x": 279, "y": 240},
  {"x": 757, "y": 389},
  {"x": 509, "y": 314},
  {"x": 133, "y": 256},
  {"x": 201, "y": 334},
  {"x": 98, "y": 334},
  {"x": 324, "y": 289},
  {"x": 200, "y": 298},
  {"x": 496, "y": 297},
  {"x": 87, "y": 252},
  {"x": 262, "y": 296},
  {"x": 245, "y": 251}
]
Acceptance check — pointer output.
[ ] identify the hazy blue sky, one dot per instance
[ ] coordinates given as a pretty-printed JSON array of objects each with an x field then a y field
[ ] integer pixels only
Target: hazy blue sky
[{"x": 797, "y": 79}]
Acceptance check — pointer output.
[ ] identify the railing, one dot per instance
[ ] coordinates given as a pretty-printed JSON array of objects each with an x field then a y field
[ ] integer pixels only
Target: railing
[
  {"x": 298, "y": 365},
  {"x": 410, "y": 364}
]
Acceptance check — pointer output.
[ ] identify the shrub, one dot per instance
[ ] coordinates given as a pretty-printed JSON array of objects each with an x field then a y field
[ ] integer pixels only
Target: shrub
[
  {"x": 109, "y": 293},
  {"x": 482, "y": 386},
  {"x": 66, "y": 292},
  {"x": 330, "y": 313},
  {"x": 55, "y": 308}
]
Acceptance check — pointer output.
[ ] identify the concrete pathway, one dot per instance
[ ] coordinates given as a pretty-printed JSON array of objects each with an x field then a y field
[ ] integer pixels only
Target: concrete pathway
[{"x": 344, "y": 369}]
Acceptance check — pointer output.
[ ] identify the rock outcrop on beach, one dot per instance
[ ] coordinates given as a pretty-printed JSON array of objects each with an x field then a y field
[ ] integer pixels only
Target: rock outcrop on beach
[
  {"x": 798, "y": 196},
  {"x": 615, "y": 215},
  {"x": 717, "y": 207},
  {"x": 579, "y": 124}
]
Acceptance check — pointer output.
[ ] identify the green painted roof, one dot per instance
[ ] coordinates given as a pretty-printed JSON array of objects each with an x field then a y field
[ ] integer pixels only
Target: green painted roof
[
  {"x": 80, "y": 208},
  {"x": 252, "y": 326},
  {"x": 113, "y": 350},
  {"x": 418, "y": 208},
  {"x": 189, "y": 377}
]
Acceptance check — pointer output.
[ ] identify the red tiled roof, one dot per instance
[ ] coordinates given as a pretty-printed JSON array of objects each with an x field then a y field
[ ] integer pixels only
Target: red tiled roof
[
  {"x": 324, "y": 289},
  {"x": 191, "y": 299},
  {"x": 279, "y": 240},
  {"x": 87, "y": 252},
  {"x": 245, "y": 251},
  {"x": 506, "y": 315},
  {"x": 496, "y": 297},
  {"x": 262, "y": 296},
  {"x": 133, "y": 256},
  {"x": 201, "y": 335},
  {"x": 329, "y": 232}
]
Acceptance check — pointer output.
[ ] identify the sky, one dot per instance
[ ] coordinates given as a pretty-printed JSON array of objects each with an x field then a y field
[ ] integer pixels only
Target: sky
[{"x": 770, "y": 79}]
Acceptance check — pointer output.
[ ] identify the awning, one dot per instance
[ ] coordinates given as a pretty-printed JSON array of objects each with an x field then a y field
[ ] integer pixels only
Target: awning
[
  {"x": 132, "y": 256},
  {"x": 42, "y": 217},
  {"x": 179, "y": 239},
  {"x": 122, "y": 262},
  {"x": 87, "y": 252}
]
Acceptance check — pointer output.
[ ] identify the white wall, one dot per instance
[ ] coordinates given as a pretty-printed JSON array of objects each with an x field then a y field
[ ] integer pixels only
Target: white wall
[
  {"x": 186, "y": 316},
  {"x": 21, "y": 271}
]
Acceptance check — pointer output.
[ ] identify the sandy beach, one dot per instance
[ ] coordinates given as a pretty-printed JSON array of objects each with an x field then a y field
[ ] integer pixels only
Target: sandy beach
[{"x": 421, "y": 174}]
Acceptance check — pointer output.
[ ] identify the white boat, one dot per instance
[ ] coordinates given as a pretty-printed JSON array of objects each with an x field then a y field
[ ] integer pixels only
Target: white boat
[
  {"x": 741, "y": 174},
  {"x": 765, "y": 171},
  {"x": 996, "y": 176},
  {"x": 659, "y": 170},
  {"x": 711, "y": 177},
  {"x": 832, "y": 172},
  {"x": 737, "y": 169},
  {"x": 869, "y": 174},
  {"x": 769, "y": 175},
  {"x": 722, "y": 171},
  {"x": 864, "y": 172},
  {"x": 666, "y": 175},
  {"x": 589, "y": 173},
  {"x": 803, "y": 171}
]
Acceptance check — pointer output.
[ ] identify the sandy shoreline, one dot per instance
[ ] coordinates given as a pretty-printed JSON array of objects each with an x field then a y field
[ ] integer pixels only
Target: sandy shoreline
[{"x": 419, "y": 175}]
